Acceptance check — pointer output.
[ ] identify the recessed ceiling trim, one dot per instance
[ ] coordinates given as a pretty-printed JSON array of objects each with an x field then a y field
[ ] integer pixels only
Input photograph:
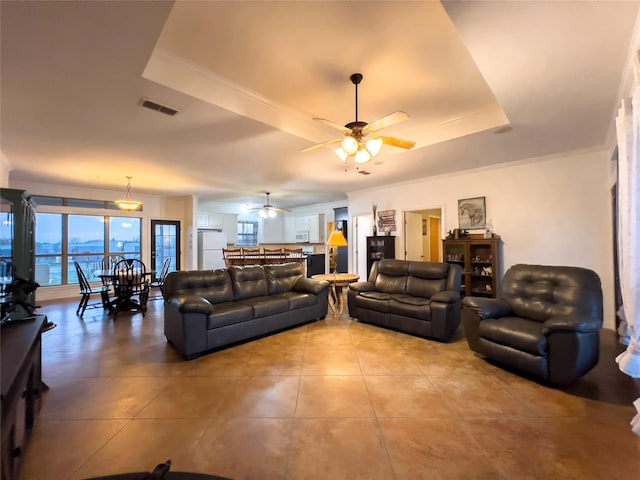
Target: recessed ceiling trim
[{"x": 179, "y": 74}]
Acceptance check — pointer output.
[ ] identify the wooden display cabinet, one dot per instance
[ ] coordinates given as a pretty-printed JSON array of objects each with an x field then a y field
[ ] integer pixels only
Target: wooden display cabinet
[
  {"x": 379, "y": 247},
  {"x": 479, "y": 258}
]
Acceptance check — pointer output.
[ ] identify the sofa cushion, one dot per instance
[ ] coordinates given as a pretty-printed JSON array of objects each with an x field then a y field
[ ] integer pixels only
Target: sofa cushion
[
  {"x": 409, "y": 306},
  {"x": 214, "y": 285},
  {"x": 298, "y": 299},
  {"x": 377, "y": 301},
  {"x": 229, "y": 313},
  {"x": 427, "y": 278},
  {"x": 248, "y": 282},
  {"x": 516, "y": 332},
  {"x": 282, "y": 278},
  {"x": 266, "y": 305}
]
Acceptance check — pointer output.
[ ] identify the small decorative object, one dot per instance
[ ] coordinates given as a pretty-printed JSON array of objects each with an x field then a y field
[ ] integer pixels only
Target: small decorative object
[
  {"x": 472, "y": 213},
  {"x": 20, "y": 289},
  {"x": 387, "y": 231},
  {"x": 488, "y": 229},
  {"x": 375, "y": 219}
]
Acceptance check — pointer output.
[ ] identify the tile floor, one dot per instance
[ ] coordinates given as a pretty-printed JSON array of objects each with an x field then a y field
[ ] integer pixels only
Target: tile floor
[{"x": 334, "y": 399}]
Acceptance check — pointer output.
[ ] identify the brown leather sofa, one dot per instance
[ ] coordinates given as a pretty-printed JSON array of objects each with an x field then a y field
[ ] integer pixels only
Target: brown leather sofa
[
  {"x": 546, "y": 322},
  {"x": 419, "y": 298},
  {"x": 209, "y": 309}
]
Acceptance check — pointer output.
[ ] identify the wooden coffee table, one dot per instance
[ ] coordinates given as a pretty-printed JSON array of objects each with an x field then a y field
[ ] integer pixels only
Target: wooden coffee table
[{"x": 337, "y": 282}]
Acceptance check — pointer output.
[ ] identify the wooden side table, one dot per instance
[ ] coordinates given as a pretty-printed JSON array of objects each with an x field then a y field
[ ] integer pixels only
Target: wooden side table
[{"x": 337, "y": 281}]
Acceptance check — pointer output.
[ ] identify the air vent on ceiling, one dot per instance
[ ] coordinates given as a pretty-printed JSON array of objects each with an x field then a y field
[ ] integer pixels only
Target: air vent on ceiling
[
  {"x": 146, "y": 103},
  {"x": 363, "y": 172}
]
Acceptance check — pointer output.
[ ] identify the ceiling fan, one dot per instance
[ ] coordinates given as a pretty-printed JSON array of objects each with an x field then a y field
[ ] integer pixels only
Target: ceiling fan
[
  {"x": 268, "y": 210},
  {"x": 359, "y": 140}
]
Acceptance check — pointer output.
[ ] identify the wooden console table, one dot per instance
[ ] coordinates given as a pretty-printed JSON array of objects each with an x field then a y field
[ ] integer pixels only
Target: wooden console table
[{"x": 21, "y": 370}]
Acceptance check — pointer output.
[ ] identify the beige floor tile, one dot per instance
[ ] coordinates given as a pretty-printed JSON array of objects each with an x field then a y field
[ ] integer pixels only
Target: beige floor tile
[
  {"x": 266, "y": 396},
  {"x": 99, "y": 398},
  {"x": 245, "y": 448},
  {"x": 544, "y": 448},
  {"x": 333, "y": 396},
  {"x": 331, "y": 361},
  {"x": 189, "y": 397},
  {"x": 144, "y": 443},
  {"x": 406, "y": 396},
  {"x": 338, "y": 449},
  {"x": 435, "y": 449},
  {"x": 75, "y": 441},
  {"x": 332, "y": 399},
  {"x": 386, "y": 361}
]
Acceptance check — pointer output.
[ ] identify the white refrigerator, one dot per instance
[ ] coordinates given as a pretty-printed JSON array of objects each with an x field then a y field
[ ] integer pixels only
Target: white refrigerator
[{"x": 210, "y": 245}]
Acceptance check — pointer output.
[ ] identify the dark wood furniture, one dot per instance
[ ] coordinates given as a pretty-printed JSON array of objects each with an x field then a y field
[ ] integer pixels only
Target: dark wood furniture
[
  {"x": 379, "y": 247},
  {"x": 479, "y": 258},
  {"x": 21, "y": 388}
]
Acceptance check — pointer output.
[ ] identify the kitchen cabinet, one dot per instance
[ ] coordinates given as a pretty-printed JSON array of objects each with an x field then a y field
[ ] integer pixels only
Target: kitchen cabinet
[
  {"x": 289, "y": 228},
  {"x": 225, "y": 222},
  {"x": 312, "y": 225},
  {"x": 480, "y": 262},
  {"x": 272, "y": 229}
]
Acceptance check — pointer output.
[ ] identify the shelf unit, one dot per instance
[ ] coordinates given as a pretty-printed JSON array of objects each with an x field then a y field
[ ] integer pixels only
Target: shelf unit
[
  {"x": 479, "y": 258},
  {"x": 379, "y": 247}
]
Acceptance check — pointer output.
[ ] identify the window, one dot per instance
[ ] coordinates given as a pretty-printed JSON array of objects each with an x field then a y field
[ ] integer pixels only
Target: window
[
  {"x": 247, "y": 233},
  {"x": 62, "y": 239}
]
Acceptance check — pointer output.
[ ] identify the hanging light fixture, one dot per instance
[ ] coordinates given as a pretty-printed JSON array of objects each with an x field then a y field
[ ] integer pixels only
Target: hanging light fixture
[{"x": 128, "y": 203}]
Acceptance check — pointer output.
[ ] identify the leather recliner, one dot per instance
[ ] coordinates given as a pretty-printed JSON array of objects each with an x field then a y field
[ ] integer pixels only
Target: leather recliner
[{"x": 546, "y": 322}]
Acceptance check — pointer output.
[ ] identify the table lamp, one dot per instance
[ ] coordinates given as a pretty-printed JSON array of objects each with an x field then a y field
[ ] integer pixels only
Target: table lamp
[{"x": 336, "y": 239}]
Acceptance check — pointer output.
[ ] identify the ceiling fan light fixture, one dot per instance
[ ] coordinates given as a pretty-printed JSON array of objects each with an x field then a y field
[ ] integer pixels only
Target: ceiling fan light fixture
[
  {"x": 349, "y": 145},
  {"x": 342, "y": 155},
  {"x": 128, "y": 203},
  {"x": 363, "y": 156},
  {"x": 262, "y": 213},
  {"x": 374, "y": 145}
]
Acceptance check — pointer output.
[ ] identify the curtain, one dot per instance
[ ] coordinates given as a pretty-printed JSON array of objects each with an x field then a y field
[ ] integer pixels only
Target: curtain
[{"x": 628, "y": 130}]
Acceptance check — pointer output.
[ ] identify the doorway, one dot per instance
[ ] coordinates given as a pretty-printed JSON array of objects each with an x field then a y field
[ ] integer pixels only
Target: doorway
[
  {"x": 362, "y": 228},
  {"x": 423, "y": 235},
  {"x": 165, "y": 243}
]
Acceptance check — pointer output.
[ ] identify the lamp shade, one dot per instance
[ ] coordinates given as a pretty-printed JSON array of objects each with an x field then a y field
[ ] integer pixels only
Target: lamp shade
[
  {"x": 336, "y": 239},
  {"x": 128, "y": 203}
]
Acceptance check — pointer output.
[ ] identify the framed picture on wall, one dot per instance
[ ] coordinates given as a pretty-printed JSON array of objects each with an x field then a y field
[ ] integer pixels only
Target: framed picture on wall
[{"x": 472, "y": 213}]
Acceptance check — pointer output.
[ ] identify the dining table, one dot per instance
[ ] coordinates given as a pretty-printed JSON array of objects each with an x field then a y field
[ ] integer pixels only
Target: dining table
[{"x": 124, "y": 296}]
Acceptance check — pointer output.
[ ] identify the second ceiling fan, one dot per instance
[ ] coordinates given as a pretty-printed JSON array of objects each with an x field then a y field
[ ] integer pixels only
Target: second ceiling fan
[
  {"x": 359, "y": 140},
  {"x": 268, "y": 210}
]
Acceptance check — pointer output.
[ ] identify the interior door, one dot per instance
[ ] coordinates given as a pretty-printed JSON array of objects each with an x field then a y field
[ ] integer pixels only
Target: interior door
[
  {"x": 165, "y": 243},
  {"x": 435, "y": 242},
  {"x": 413, "y": 245},
  {"x": 362, "y": 229}
]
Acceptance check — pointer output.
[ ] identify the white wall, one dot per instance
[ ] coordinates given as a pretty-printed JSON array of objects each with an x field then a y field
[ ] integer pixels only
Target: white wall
[
  {"x": 5, "y": 168},
  {"x": 551, "y": 211}
]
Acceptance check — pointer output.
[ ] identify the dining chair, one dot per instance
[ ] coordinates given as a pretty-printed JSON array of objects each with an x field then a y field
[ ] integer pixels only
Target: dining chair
[
  {"x": 86, "y": 290},
  {"x": 130, "y": 280},
  {"x": 273, "y": 255},
  {"x": 251, "y": 256},
  {"x": 232, "y": 256},
  {"x": 159, "y": 281}
]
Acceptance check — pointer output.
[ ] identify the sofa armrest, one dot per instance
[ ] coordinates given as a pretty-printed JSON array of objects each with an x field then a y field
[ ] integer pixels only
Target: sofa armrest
[
  {"x": 362, "y": 287},
  {"x": 191, "y": 304},
  {"x": 309, "y": 285},
  {"x": 487, "y": 307},
  {"x": 571, "y": 323},
  {"x": 446, "y": 296}
]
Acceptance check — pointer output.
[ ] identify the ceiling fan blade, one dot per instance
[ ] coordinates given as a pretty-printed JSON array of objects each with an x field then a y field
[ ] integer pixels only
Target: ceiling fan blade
[
  {"x": 320, "y": 145},
  {"x": 333, "y": 125},
  {"x": 284, "y": 210},
  {"x": 386, "y": 121},
  {"x": 398, "y": 142}
]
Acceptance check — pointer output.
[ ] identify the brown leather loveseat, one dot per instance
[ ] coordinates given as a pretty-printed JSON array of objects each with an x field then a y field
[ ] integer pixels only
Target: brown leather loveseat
[{"x": 419, "y": 298}]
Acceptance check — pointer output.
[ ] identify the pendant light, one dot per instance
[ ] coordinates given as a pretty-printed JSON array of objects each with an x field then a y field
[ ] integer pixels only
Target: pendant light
[{"x": 128, "y": 203}]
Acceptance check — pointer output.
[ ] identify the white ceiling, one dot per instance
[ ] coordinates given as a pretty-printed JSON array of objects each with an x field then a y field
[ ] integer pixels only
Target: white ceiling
[{"x": 247, "y": 77}]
